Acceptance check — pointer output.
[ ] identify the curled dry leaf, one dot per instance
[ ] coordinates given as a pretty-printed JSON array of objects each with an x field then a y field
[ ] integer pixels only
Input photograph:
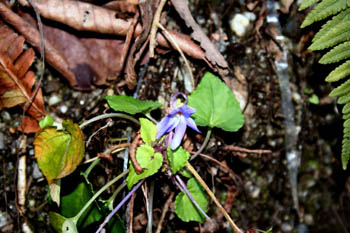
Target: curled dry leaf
[
  {"x": 105, "y": 21},
  {"x": 16, "y": 81},
  {"x": 32, "y": 35}
]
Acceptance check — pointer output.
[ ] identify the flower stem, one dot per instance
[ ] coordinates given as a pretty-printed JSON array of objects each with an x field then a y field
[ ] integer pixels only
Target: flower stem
[
  {"x": 107, "y": 115},
  {"x": 110, "y": 215},
  {"x": 76, "y": 218},
  {"x": 212, "y": 196},
  {"x": 205, "y": 143},
  {"x": 184, "y": 189}
]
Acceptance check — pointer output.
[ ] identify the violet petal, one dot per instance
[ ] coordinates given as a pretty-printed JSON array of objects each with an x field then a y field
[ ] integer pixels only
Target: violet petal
[
  {"x": 187, "y": 111},
  {"x": 190, "y": 123},
  {"x": 165, "y": 125},
  {"x": 179, "y": 133}
]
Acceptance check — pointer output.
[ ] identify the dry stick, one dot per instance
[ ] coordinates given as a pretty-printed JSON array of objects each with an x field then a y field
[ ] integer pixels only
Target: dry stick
[
  {"x": 212, "y": 196},
  {"x": 164, "y": 211},
  {"x": 131, "y": 212},
  {"x": 42, "y": 53},
  {"x": 22, "y": 176},
  {"x": 174, "y": 43},
  {"x": 245, "y": 150},
  {"x": 132, "y": 150},
  {"x": 154, "y": 28},
  {"x": 221, "y": 165}
]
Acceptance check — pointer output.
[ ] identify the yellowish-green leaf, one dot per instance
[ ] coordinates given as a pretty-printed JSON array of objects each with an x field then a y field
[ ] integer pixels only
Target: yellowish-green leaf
[
  {"x": 55, "y": 191},
  {"x": 148, "y": 131},
  {"x": 59, "y": 152},
  {"x": 148, "y": 160}
]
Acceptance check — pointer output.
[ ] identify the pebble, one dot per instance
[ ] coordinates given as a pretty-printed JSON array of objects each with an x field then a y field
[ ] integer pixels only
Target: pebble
[
  {"x": 5, "y": 116},
  {"x": 63, "y": 109},
  {"x": 241, "y": 23},
  {"x": 36, "y": 172},
  {"x": 54, "y": 99}
]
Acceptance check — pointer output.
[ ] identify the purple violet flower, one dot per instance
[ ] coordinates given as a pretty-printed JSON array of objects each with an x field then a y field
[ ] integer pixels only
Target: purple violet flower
[{"x": 178, "y": 119}]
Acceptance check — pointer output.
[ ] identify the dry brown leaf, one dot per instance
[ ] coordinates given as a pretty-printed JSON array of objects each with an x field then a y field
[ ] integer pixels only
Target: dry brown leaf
[
  {"x": 32, "y": 36},
  {"x": 211, "y": 52},
  {"x": 54, "y": 10},
  {"x": 16, "y": 82}
]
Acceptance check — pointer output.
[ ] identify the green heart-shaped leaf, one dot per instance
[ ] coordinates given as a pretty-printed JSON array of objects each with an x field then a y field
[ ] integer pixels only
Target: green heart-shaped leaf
[
  {"x": 148, "y": 160},
  {"x": 215, "y": 105},
  {"x": 184, "y": 207},
  {"x": 148, "y": 131},
  {"x": 177, "y": 158}
]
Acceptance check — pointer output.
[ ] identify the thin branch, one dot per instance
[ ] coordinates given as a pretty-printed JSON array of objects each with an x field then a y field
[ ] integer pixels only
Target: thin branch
[
  {"x": 205, "y": 143},
  {"x": 212, "y": 196},
  {"x": 175, "y": 44},
  {"x": 164, "y": 211},
  {"x": 156, "y": 18}
]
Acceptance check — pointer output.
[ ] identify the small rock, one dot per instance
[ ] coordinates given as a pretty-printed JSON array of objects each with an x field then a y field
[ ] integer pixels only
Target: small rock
[
  {"x": 54, "y": 99},
  {"x": 5, "y": 116},
  {"x": 63, "y": 109},
  {"x": 309, "y": 219},
  {"x": 240, "y": 23},
  {"x": 36, "y": 172}
]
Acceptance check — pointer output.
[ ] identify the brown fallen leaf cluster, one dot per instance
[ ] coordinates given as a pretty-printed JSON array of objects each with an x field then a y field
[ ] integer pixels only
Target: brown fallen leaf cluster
[
  {"x": 99, "y": 44},
  {"x": 16, "y": 81}
]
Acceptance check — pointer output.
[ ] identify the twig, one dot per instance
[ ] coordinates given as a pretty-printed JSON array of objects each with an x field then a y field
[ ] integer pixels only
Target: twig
[
  {"x": 164, "y": 211},
  {"x": 205, "y": 143},
  {"x": 108, "y": 124},
  {"x": 245, "y": 150},
  {"x": 42, "y": 53},
  {"x": 150, "y": 207},
  {"x": 212, "y": 196},
  {"x": 131, "y": 212},
  {"x": 221, "y": 165},
  {"x": 174, "y": 43},
  {"x": 156, "y": 18},
  {"x": 107, "y": 115},
  {"x": 132, "y": 149}
]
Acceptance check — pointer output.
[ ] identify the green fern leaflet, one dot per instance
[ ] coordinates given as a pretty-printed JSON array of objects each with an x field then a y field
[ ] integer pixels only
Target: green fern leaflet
[{"x": 335, "y": 31}]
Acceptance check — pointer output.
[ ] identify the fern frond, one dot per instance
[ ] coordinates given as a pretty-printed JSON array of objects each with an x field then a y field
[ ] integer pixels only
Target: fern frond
[
  {"x": 324, "y": 9},
  {"x": 339, "y": 73},
  {"x": 338, "y": 53},
  {"x": 336, "y": 20},
  {"x": 346, "y": 116},
  {"x": 307, "y": 3},
  {"x": 341, "y": 90},
  {"x": 346, "y": 108},
  {"x": 338, "y": 34},
  {"x": 343, "y": 100}
]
